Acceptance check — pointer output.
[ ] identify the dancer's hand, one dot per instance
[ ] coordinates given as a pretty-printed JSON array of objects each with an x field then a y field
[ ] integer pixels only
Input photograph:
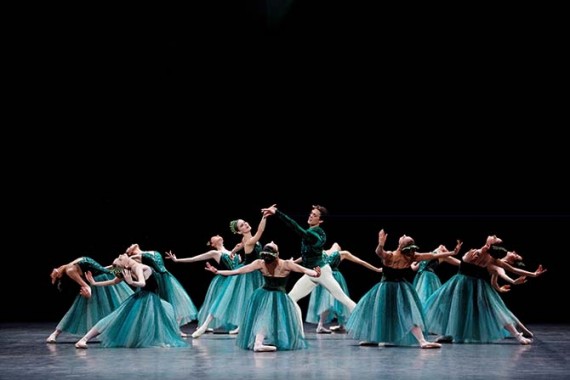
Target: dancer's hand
[
  {"x": 209, "y": 267},
  {"x": 318, "y": 270},
  {"x": 170, "y": 256}
]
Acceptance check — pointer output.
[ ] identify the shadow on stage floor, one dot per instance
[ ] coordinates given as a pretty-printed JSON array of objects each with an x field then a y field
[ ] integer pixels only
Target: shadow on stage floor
[{"x": 25, "y": 355}]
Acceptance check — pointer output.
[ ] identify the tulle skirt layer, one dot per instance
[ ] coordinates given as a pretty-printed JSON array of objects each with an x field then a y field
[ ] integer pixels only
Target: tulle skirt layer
[
  {"x": 143, "y": 320},
  {"x": 174, "y": 293},
  {"x": 469, "y": 310},
  {"x": 386, "y": 314},
  {"x": 273, "y": 314},
  {"x": 426, "y": 283},
  {"x": 85, "y": 312}
]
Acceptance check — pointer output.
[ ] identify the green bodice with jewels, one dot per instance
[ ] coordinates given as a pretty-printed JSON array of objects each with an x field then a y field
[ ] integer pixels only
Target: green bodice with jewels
[
  {"x": 275, "y": 283},
  {"x": 229, "y": 263},
  {"x": 154, "y": 260},
  {"x": 428, "y": 265},
  {"x": 88, "y": 264}
]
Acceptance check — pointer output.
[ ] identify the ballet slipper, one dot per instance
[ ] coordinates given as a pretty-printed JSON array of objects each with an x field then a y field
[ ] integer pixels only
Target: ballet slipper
[
  {"x": 264, "y": 348},
  {"x": 322, "y": 330},
  {"x": 198, "y": 333},
  {"x": 52, "y": 338},
  {"x": 427, "y": 344},
  {"x": 522, "y": 339},
  {"x": 82, "y": 343}
]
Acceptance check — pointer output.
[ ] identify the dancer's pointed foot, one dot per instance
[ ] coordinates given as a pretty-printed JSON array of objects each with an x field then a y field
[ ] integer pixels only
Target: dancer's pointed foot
[
  {"x": 198, "y": 333},
  {"x": 51, "y": 338},
  {"x": 183, "y": 334},
  {"x": 264, "y": 348},
  {"x": 522, "y": 339},
  {"x": 82, "y": 343},
  {"x": 338, "y": 329},
  {"x": 322, "y": 330},
  {"x": 427, "y": 344},
  {"x": 234, "y": 331}
]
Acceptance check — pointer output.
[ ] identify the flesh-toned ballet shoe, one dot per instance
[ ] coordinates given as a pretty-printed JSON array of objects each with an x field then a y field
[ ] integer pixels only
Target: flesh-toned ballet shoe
[
  {"x": 81, "y": 344},
  {"x": 51, "y": 338},
  {"x": 430, "y": 345},
  {"x": 264, "y": 348},
  {"x": 198, "y": 333},
  {"x": 522, "y": 339},
  {"x": 322, "y": 330},
  {"x": 338, "y": 329}
]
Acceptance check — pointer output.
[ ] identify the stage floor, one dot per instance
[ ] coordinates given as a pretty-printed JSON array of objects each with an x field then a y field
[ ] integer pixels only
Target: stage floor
[{"x": 25, "y": 355}]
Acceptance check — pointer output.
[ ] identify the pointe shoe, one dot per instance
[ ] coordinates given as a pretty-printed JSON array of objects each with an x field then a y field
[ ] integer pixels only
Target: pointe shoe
[
  {"x": 322, "y": 330},
  {"x": 522, "y": 339},
  {"x": 183, "y": 334},
  {"x": 198, "y": 333},
  {"x": 364, "y": 343},
  {"x": 82, "y": 343},
  {"x": 338, "y": 329},
  {"x": 234, "y": 331},
  {"x": 427, "y": 344},
  {"x": 209, "y": 330},
  {"x": 264, "y": 348},
  {"x": 51, "y": 338}
]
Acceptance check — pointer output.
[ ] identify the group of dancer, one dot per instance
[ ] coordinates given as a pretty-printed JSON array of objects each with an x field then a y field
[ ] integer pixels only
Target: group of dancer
[{"x": 248, "y": 296}]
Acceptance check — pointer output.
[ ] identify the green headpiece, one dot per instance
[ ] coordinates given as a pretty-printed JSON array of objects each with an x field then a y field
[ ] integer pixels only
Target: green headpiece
[{"x": 233, "y": 226}]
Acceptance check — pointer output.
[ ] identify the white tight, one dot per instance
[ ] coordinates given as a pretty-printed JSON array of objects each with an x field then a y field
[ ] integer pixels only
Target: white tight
[{"x": 305, "y": 285}]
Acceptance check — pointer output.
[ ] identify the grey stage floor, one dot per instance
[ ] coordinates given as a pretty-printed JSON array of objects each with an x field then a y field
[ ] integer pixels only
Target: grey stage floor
[{"x": 25, "y": 355}]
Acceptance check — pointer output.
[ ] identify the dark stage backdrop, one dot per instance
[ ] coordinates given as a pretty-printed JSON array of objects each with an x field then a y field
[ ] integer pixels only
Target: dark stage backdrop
[{"x": 159, "y": 126}]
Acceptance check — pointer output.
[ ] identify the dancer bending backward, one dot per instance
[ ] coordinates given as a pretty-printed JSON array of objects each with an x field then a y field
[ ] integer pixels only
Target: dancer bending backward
[
  {"x": 323, "y": 307},
  {"x": 90, "y": 305},
  {"x": 270, "y": 321},
  {"x": 391, "y": 312},
  {"x": 514, "y": 259},
  {"x": 313, "y": 240},
  {"x": 142, "y": 320},
  {"x": 467, "y": 309},
  {"x": 225, "y": 259},
  {"x": 170, "y": 289}
]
